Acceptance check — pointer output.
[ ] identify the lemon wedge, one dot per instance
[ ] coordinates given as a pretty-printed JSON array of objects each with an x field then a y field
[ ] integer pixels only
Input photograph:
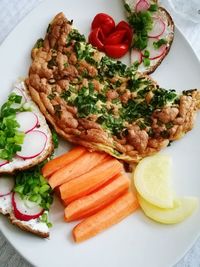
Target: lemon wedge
[
  {"x": 182, "y": 208},
  {"x": 152, "y": 180}
]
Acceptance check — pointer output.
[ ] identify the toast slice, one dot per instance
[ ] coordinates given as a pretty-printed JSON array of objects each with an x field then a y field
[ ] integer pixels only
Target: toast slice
[
  {"x": 163, "y": 35},
  {"x": 102, "y": 104},
  {"x": 35, "y": 226},
  {"x": 17, "y": 163}
]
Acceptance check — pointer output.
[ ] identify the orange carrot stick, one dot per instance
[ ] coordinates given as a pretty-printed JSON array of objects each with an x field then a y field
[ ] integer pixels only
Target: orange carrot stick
[
  {"x": 80, "y": 166},
  {"x": 59, "y": 162},
  {"x": 110, "y": 215},
  {"x": 92, "y": 203},
  {"x": 89, "y": 182}
]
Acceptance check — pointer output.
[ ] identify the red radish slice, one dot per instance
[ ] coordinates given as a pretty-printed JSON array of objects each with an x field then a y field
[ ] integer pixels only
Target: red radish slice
[
  {"x": 22, "y": 211},
  {"x": 3, "y": 162},
  {"x": 34, "y": 144},
  {"x": 142, "y": 5},
  {"x": 27, "y": 121},
  {"x": 154, "y": 53},
  {"x": 6, "y": 185},
  {"x": 19, "y": 92},
  {"x": 158, "y": 27},
  {"x": 136, "y": 55}
]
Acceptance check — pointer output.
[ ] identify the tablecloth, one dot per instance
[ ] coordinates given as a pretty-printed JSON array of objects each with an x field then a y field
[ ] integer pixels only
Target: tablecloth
[{"x": 13, "y": 11}]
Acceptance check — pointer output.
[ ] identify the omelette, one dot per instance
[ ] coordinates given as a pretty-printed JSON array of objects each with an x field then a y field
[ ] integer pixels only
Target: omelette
[{"x": 102, "y": 104}]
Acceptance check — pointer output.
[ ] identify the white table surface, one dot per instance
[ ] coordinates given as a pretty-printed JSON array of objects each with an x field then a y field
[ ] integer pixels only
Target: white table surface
[{"x": 11, "y": 12}]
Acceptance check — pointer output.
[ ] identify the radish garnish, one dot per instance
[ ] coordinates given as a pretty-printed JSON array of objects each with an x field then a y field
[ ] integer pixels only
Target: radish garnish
[
  {"x": 6, "y": 185},
  {"x": 25, "y": 212},
  {"x": 3, "y": 162},
  {"x": 142, "y": 5},
  {"x": 154, "y": 52},
  {"x": 136, "y": 55},
  {"x": 18, "y": 92},
  {"x": 33, "y": 145},
  {"x": 27, "y": 121},
  {"x": 158, "y": 27}
]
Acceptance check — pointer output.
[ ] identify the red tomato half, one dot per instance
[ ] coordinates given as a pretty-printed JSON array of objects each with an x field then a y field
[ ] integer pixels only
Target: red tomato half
[
  {"x": 96, "y": 38},
  {"x": 104, "y": 21},
  {"x": 123, "y": 25},
  {"x": 116, "y": 37},
  {"x": 116, "y": 51}
]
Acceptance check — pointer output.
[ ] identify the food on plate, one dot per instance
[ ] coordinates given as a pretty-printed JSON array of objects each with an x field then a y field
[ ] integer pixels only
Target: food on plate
[
  {"x": 182, "y": 209},
  {"x": 99, "y": 103},
  {"x": 114, "y": 40},
  {"x": 153, "y": 35},
  {"x": 59, "y": 162},
  {"x": 110, "y": 215},
  {"x": 26, "y": 198},
  {"x": 155, "y": 194},
  {"x": 25, "y": 138},
  {"x": 97, "y": 200},
  {"x": 78, "y": 167},
  {"x": 101, "y": 190},
  {"x": 152, "y": 179},
  {"x": 90, "y": 181}
]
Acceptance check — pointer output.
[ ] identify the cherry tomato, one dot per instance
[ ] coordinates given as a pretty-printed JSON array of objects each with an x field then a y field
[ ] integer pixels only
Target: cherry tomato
[
  {"x": 104, "y": 21},
  {"x": 96, "y": 38},
  {"x": 116, "y": 51},
  {"x": 123, "y": 25}
]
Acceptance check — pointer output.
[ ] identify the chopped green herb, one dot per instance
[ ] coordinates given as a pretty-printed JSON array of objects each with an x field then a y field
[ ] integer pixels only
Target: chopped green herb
[
  {"x": 153, "y": 8},
  {"x": 39, "y": 43},
  {"x": 146, "y": 53},
  {"x": 159, "y": 43},
  {"x": 146, "y": 62},
  {"x": 31, "y": 185}
]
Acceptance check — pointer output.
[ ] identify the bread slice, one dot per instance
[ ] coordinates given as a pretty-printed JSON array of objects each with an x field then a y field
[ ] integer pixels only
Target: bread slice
[
  {"x": 17, "y": 163},
  {"x": 168, "y": 35},
  {"x": 33, "y": 226}
]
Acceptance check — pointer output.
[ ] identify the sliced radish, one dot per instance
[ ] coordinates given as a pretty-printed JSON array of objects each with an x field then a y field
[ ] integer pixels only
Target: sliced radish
[
  {"x": 136, "y": 55},
  {"x": 154, "y": 53},
  {"x": 27, "y": 121},
  {"x": 6, "y": 185},
  {"x": 22, "y": 211},
  {"x": 34, "y": 144},
  {"x": 3, "y": 162},
  {"x": 158, "y": 27},
  {"x": 142, "y": 5},
  {"x": 19, "y": 92}
]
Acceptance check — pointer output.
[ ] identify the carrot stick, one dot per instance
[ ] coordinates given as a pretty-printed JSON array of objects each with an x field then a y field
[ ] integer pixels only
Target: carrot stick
[
  {"x": 59, "y": 162},
  {"x": 79, "y": 166},
  {"x": 92, "y": 203},
  {"x": 88, "y": 182},
  {"x": 110, "y": 215}
]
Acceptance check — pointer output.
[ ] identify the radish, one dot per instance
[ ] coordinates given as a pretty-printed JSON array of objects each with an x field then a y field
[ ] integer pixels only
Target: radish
[
  {"x": 33, "y": 145},
  {"x": 6, "y": 185},
  {"x": 158, "y": 27},
  {"x": 142, "y": 5},
  {"x": 3, "y": 162},
  {"x": 25, "y": 212},
  {"x": 136, "y": 55},
  {"x": 27, "y": 121},
  {"x": 154, "y": 53},
  {"x": 19, "y": 92}
]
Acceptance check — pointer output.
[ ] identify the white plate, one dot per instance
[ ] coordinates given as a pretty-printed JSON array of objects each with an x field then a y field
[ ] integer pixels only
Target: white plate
[{"x": 136, "y": 241}]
